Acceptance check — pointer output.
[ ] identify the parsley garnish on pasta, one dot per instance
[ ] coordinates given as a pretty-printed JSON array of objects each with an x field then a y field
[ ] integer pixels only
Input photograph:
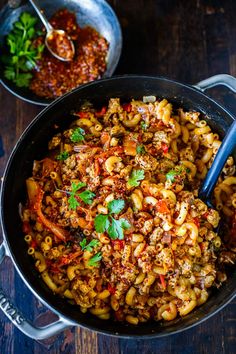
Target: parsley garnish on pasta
[
  {"x": 77, "y": 135},
  {"x": 88, "y": 247},
  {"x": 135, "y": 178},
  {"x": 62, "y": 156},
  {"x": 115, "y": 228},
  {"x": 93, "y": 262},
  {"x": 86, "y": 196}
]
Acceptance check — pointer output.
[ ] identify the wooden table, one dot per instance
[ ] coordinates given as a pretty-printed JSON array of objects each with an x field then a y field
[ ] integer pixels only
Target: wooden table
[{"x": 183, "y": 40}]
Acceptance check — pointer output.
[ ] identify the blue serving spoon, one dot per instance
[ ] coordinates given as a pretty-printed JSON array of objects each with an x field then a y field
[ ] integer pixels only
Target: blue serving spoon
[{"x": 226, "y": 148}]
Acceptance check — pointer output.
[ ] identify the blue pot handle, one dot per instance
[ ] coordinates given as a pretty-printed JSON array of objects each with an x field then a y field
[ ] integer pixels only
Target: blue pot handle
[{"x": 16, "y": 317}]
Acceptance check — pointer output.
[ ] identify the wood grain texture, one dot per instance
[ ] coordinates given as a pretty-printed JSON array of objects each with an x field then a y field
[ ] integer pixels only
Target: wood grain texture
[{"x": 183, "y": 40}]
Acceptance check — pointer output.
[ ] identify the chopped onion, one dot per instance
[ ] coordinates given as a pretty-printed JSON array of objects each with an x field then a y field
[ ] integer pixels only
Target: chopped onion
[{"x": 149, "y": 99}]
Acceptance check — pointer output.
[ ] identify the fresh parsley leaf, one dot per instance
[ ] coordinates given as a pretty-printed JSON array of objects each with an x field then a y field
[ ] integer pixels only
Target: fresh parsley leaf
[
  {"x": 83, "y": 244},
  {"x": 77, "y": 135},
  {"x": 76, "y": 186},
  {"x": 9, "y": 73},
  {"x": 135, "y": 178},
  {"x": 28, "y": 20},
  {"x": 87, "y": 196},
  {"x": 40, "y": 48},
  {"x": 90, "y": 246},
  {"x": 124, "y": 224},
  {"x": 143, "y": 125},
  {"x": 73, "y": 202},
  {"x": 115, "y": 206},
  {"x": 115, "y": 228},
  {"x": 172, "y": 174},
  {"x": 101, "y": 223},
  {"x": 23, "y": 80},
  {"x": 62, "y": 156},
  {"x": 140, "y": 149},
  {"x": 19, "y": 25},
  {"x": 93, "y": 262},
  {"x": 12, "y": 45}
]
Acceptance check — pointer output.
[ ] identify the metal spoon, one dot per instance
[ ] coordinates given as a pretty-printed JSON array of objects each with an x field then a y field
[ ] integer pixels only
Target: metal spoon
[
  {"x": 226, "y": 148},
  {"x": 57, "y": 41}
]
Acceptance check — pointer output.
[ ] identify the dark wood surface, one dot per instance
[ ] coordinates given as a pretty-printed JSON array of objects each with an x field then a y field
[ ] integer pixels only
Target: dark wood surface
[{"x": 186, "y": 40}]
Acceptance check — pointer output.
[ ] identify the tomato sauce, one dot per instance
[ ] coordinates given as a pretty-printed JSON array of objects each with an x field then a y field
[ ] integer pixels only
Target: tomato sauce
[{"x": 54, "y": 77}]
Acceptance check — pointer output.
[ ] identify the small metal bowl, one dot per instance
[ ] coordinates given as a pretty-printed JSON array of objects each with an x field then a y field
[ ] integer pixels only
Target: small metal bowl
[{"x": 95, "y": 13}]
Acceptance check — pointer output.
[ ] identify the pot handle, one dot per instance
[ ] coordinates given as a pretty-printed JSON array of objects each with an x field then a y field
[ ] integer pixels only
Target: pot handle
[
  {"x": 20, "y": 322},
  {"x": 221, "y": 79}
]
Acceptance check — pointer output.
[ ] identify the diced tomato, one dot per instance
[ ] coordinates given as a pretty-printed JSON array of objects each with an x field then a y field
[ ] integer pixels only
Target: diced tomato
[
  {"x": 33, "y": 244},
  {"x": 161, "y": 207},
  {"x": 205, "y": 215},
  {"x": 26, "y": 227},
  {"x": 163, "y": 282},
  {"x": 127, "y": 107},
  {"x": 111, "y": 289},
  {"x": 118, "y": 244},
  {"x": 83, "y": 114},
  {"x": 164, "y": 147},
  {"x": 196, "y": 222},
  {"x": 102, "y": 112}
]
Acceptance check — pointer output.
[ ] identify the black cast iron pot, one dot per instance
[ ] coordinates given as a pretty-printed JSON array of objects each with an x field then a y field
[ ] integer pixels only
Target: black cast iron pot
[{"x": 33, "y": 145}]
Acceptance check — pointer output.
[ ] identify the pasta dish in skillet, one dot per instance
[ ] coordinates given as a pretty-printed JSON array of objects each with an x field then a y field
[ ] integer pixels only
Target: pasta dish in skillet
[{"x": 113, "y": 220}]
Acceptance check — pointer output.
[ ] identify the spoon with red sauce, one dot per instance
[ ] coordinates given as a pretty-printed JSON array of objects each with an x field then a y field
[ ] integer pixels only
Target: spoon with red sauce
[{"x": 57, "y": 41}]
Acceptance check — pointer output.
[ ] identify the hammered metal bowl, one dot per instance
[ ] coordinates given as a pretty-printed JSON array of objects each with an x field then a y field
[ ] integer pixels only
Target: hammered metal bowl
[{"x": 95, "y": 13}]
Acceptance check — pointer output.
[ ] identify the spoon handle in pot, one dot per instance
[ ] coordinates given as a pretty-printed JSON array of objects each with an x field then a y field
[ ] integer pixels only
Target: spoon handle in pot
[{"x": 226, "y": 148}]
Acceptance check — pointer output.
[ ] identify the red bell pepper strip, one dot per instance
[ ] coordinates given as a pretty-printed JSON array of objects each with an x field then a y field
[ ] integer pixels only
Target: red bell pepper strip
[
  {"x": 83, "y": 114},
  {"x": 102, "y": 112},
  {"x": 127, "y": 107},
  {"x": 165, "y": 148},
  {"x": 163, "y": 282},
  {"x": 35, "y": 194}
]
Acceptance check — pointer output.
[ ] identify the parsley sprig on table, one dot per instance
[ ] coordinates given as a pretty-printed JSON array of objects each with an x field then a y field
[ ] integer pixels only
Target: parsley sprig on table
[
  {"x": 135, "y": 178},
  {"x": 88, "y": 247},
  {"x": 86, "y": 196},
  {"x": 23, "y": 53},
  {"x": 115, "y": 228}
]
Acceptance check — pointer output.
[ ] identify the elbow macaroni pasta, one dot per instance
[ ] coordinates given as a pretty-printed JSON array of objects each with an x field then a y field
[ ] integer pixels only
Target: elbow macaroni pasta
[{"x": 161, "y": 265}]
